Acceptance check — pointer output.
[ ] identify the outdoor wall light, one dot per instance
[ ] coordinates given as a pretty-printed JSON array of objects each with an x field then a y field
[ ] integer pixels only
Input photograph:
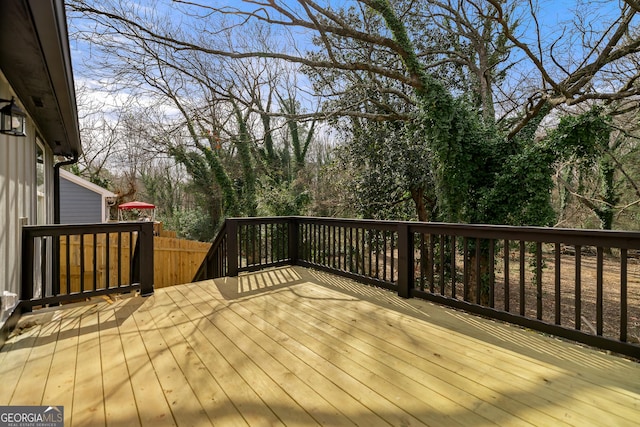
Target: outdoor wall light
[{"x": 12, "y": 118}]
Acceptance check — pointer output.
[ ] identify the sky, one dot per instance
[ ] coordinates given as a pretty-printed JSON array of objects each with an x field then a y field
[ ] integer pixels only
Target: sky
[
  {"x": 554, "y": 20},
  {"x": 554, "y": 17}
]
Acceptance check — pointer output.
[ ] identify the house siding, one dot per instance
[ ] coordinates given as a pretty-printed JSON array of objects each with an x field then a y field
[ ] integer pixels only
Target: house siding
[
  {"x": 18, "y": 195},
  {"x": 35, "y": 69},
  {"x": 79, "y": 205}
]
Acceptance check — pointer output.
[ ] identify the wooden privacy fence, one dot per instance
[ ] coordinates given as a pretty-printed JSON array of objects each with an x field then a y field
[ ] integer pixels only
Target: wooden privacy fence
[
  {"x": 175, "y": 260},
  {"x": 77, "y": 269}
]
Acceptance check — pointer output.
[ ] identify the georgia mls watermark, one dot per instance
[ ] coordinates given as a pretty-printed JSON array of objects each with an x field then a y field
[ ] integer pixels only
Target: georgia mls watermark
[{"x": 31, "y": 416}]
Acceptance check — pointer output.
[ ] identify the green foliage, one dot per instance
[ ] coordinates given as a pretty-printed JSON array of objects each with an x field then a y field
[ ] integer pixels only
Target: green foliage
[
  {"x": 520, "y": 193},
  {"x": 191, "y": 224},
  {"x": 300, "y": 136},
  {"x": 160, "y": 189},
  {"x": 512, "y": 183},
  {"x": 171, "y": 195},
  {"x": 205, "y": 168},
  {"x": 610, "y": 196},
  {"x": 468, "y": 156},
  {"x": 389, "y": 165},
  {"x": 481, "y": 176},
  {"x": 251, "y": 173},
  {"x": 243, "y": 144},
  {"x": 464, "y": 147},
  {"x": 584, "y": 140},
  {"x": 584, "y": 137},
  {"x": 282, "y": 198}
]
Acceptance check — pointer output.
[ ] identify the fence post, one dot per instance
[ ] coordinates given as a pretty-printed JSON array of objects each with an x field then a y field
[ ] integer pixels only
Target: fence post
[
  {"x": 146, "y": 258},
  {"x": 405, "y": 261},
  {"x": 293, "y": 241},
  {"x": 232, "y": 246}
]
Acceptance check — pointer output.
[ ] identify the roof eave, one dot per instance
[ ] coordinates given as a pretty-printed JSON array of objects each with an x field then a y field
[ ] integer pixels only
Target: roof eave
[{"x": 35, "y": 58}]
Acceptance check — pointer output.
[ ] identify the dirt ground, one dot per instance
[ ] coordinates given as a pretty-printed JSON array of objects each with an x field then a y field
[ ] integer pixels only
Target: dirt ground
[
  {"x": 611, "y": 290},
  {"x": 611, "y": 293}
]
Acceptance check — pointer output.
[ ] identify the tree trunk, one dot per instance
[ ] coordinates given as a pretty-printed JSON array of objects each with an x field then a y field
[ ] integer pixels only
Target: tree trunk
[{"x": 471, "y": 294}]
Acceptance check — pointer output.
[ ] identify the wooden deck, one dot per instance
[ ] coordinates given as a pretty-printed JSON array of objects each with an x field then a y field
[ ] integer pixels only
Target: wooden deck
[{"x": 298, "y": 347}]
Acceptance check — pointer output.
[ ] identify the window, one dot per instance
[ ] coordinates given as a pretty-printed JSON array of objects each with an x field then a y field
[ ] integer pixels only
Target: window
[{"x": 41, "y": 185}]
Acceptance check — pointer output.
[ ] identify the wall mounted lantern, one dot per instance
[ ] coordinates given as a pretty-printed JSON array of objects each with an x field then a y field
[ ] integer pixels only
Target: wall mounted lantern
[{"x": 12, "y": 118}]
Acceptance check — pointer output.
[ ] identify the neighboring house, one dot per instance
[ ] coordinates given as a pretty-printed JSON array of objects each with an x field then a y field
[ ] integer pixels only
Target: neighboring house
[
  {"x": 35, "y": 69},
  {"x": 83, "y": 202}
]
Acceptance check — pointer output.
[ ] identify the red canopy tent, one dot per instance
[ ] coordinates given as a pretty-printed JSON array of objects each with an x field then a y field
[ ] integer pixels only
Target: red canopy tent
[{"x": 137, "y": 205}]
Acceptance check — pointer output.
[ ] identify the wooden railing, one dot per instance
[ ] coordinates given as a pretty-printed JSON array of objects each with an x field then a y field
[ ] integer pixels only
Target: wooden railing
[
  {"x": 72, "y": 262},
  {"x": 579, "y": 284},
  {"x": 215, "y": 263},
  {"x": 255, "y": 243}
]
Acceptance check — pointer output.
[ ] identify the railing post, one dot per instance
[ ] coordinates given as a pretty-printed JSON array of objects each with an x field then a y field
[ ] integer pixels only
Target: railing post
[
  {"x": 146, "y": 258},
  {"x": 405, "y": 261},
  {"x": 293, "y": 241},
  {"x": 28, "y": 259},
  {"x": 232, "y": 246},
  {"x": 55, "y": 266}
]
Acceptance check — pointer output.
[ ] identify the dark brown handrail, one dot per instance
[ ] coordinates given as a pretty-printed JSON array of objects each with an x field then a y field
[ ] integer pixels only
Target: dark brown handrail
[
  {"x": 215, "y": 262},
  {"x": 494, "y": 271},
  {"x": 255, "y": 243}
]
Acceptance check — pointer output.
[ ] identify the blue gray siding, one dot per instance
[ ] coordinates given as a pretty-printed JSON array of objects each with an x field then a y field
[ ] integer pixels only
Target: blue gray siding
[{"x": 79, "y": 205}]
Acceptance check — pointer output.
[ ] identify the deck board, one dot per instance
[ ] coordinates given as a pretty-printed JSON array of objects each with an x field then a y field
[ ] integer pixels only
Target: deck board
[
  {"x": 297, "y": 347},
  {"x": 471, "y": 378},
  {"x": 183, "y": 403},
  {"x": 176, "y": 331},
  {"x": 60, "y": 383},
  {"x": 15, "y": 355},
  {"x": 221, "y": 366},
  {"x": 120, "y": 404},
  {"x": 88, "y": 393},
  {"x": 248, "y": 361},
  {"x": 434, "y": 388},
  {"x": 294, "y": 376},
  {"x": 399, "y": 397},
  {"x": 150, "y": 398},
  {"x": 30, "y": 388}
]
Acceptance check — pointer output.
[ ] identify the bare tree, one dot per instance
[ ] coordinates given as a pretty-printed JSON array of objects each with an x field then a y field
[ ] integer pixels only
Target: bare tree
[
  {"x": 391, "y": 60},
  {"x": 562, "y": 79},
  {"x": 223, "y": 118}
]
